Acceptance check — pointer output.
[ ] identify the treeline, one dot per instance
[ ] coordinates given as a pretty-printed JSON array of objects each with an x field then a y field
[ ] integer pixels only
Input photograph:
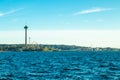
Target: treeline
[
  {"x": 40, "y": 47},
  {"x": 30, "y": 47}
]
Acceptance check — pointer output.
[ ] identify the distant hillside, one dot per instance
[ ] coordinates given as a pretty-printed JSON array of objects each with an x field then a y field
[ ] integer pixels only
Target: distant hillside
[{"x": 41, "y": 47}]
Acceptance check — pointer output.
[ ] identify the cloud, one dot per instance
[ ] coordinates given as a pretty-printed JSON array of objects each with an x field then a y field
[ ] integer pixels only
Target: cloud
[
  {"x": 1, "y": 14},
  {"x": 92, "y": 10},
  {"x": 10, "y": 12}
]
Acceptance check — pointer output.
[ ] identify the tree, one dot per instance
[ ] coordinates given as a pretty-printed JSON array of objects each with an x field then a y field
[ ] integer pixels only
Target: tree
[{"x": 45, "y": 48}]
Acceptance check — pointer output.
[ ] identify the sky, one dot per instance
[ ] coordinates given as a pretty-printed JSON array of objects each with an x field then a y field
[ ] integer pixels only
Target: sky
[{"x": 73, "y": 22}]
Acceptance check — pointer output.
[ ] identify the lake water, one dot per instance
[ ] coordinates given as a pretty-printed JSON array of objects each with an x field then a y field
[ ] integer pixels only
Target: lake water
[{"x": 60, "y": 65}]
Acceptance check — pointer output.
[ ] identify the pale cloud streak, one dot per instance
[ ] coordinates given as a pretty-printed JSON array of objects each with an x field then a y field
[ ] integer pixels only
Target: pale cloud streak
[
  {"x": 10, "y": 12},
  {"x": 1, "y": 14},
  {"x": 92, "y": 10}
]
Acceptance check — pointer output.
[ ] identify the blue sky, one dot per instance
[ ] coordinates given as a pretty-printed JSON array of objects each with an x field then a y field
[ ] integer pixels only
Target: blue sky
[
  {"x": 60, "y": 14},
  {"x": 93, "y": 23}
]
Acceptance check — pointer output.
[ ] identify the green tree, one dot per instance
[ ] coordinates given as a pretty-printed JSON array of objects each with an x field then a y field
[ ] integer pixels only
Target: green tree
[{"x": 45, "y": 48}]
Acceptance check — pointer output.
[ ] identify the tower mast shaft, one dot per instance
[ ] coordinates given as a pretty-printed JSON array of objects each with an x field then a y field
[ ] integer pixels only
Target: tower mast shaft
[{"x": 25, "y": 35}]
